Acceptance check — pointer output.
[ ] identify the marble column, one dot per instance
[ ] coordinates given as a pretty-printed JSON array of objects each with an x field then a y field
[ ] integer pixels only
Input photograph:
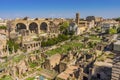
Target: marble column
[
  {"x": 8, "y": 50},
  {"x": 13, "y": 51}
]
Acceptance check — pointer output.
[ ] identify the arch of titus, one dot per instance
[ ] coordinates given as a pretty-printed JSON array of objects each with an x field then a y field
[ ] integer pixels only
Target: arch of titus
[{"x": 31, "y": 26}]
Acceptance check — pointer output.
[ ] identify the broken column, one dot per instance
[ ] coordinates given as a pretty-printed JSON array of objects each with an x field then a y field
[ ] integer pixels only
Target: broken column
[
  {"x": 81, "y": 74},
  {"x": 90, "y": 74}
]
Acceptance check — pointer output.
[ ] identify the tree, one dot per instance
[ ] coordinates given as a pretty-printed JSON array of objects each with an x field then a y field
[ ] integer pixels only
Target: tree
[
  {"x": 25, "y": 18},
  {"x": 117, "y": 19},
  {"x": 72, "y": 32},
  {"x": 11, "y": 43},
  {"x": 85, "y": 39},
  {"x": 3, "y": 27},
  {"x": 112, "y": 31},
  {"x": 53, "y": 41},
  {"x": 118, "y": 30},
  {"x": 64, "y": 26},
  {"x": 91, "y": 44},
  {"x": 36, "y": 19}
]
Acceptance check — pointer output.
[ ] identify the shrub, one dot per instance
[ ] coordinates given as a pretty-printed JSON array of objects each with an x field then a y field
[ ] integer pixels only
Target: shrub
[
  {"x": 11, "y": 44},
  {"x": 54, "y": 41},
  {"x": 3, "y": 27}
]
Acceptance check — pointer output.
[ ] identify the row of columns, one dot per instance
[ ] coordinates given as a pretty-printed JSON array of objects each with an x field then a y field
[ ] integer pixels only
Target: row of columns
[{"x": 32, "y": 46}]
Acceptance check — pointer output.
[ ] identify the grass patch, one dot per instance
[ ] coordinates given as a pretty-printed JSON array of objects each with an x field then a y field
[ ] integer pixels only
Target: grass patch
[
  {"x": 18, "y": 58},
  {"x": 53, "y": 41},
  {"x": 6, "y": 77},
  {"x": 94, "y": 38},
  {"x": 65, "y": 48},
  {"x": 30, "y": 78},
  {"x": 33, "y": 64},
  {"x": 111, "y": 56}
]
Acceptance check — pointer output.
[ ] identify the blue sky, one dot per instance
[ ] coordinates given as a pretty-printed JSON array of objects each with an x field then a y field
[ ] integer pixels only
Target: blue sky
[{"x": 59, "y": 8}]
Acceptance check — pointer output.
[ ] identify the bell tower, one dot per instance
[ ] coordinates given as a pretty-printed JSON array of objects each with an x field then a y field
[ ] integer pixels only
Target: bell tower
[{"x": 77, "y": 18}]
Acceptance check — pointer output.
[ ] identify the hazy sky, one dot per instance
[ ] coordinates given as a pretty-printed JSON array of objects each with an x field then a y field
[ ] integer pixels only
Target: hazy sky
[{"x": 59, "y": 8}]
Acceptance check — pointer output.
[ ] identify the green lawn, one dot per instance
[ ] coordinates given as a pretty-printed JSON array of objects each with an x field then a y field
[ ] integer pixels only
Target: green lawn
[
  {"x": 65, "y": 48},
  {"x": 72, "y": 44}
]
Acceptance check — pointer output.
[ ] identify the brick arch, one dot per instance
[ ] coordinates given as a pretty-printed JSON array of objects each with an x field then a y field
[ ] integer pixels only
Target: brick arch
[
  {"x": 44, "y": 26},
  {"x": 20, "y": 26},
  {"x": 33, "y": 27},
  {"x": 28, "y": 22}
]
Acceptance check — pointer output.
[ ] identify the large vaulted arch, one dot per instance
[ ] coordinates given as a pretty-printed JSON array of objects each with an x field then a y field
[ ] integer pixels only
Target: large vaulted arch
[
  {"x": 44, "y": 27},
  {"x": 20, "y": 26},
  {"x": 33, "y": 27}
]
